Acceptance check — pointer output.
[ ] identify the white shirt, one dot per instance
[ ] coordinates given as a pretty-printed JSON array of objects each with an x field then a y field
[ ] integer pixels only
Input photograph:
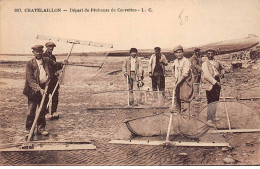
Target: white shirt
[
  {"x": 43, "y": 74},
  {"x": 133, "y": 60},
  {"x": 214, "y": 65},
  {"x": 181, "y": 67},
  {"x": 208, "y": 79}
]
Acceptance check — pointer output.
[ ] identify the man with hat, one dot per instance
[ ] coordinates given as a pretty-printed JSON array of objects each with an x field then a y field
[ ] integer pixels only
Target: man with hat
[
  {"x": 55, "y": 98},
  {"x": 38, "y": 75},
  {"x": 212, "y": 72},
  {"x": 183, "y": 84},
  {"x": 132, "y": 68},
  {"x": 156, "y": 69}
]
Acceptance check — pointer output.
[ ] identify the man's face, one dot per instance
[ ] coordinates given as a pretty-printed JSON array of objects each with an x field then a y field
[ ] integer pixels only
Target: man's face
[
  {"x": 133, "y": 54},
  {"x": 178, "y": 54},
  {"x": 50, "y": 48},
  {"x": 157, "y": 52},
  {"x": 210, "y": 55},
  {"x": 37, "y": 54},
  {"x": 197, "y": 53}
]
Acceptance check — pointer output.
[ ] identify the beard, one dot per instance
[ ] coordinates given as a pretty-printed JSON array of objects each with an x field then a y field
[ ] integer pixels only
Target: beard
[
  {"x": 211, "y": 57},
  {"x": 50, "y": 50},
  {"x": 38, "y": 57}
]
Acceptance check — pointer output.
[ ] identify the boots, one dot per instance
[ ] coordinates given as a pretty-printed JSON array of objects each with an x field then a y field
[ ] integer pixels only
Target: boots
[{"x": 55, "y": 115}]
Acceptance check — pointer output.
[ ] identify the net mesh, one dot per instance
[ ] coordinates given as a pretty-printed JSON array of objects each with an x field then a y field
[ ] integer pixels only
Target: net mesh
[
  {"x": 84, "y": 67},
  {"x": 240, "y": 114},
  {"x": 157, "y": 124}
]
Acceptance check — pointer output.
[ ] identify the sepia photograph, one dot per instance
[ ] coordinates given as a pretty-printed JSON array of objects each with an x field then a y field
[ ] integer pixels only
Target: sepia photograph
[{"x": 129, "y": 83}]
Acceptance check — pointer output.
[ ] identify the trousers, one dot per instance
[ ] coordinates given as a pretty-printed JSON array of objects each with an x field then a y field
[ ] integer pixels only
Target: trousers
[
  {"x": 158, "y": 83},
  {"x": 213, "y": 96},
  {"x": 32, "y": 106},
  {"x": 55, "y": 97}
]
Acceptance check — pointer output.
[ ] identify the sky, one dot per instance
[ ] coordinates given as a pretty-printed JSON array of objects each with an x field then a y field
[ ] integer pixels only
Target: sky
[{"x": 172, "y": 22}]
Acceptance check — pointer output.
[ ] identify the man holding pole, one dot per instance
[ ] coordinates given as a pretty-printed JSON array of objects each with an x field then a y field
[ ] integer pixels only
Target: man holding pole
[
  {"x": 38, "y": 76},
  {"x": 55, "y": 98},
  {"x": 183, "y": 85},
  {"x": 133, "y": 71}
]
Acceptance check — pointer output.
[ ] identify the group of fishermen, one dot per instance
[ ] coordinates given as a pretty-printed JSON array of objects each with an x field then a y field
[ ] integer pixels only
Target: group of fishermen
[
  {"x": 43, "y": 70},
  {"x": 201, "y": 68}
]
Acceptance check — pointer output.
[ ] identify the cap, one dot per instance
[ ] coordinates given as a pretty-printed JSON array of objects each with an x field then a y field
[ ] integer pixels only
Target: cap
[
  {"x": 157, "y": 48},
  {"x": 211, "y": 49},
  {"x": 179, "y": 47},
  {"x": 197, "y": 49},
  {"x": 37, "y": 47},
  {"x": 133, "y": 50},
  {"x": 50, "y": 44}
]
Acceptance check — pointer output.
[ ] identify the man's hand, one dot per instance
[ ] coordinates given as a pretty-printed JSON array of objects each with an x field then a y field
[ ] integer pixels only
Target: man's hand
[
  {"x": 125, "y": 74},
  {"x": 162, "y": 62},
  {"x": 171, "y": 109},
  {"x": 221, "y": 76},
  {"x": 176, "y": 83},
  {"x": 150, "y": 74},
  {"x": 42, "y": 92},
  {"x": 66, "y": 62},
  {"x": 57, "y": 74}
]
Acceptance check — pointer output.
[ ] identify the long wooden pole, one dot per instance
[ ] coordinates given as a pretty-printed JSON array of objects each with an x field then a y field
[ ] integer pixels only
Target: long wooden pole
[
  {"x": 235, "y": 131},
  {"x": 169, "y": 128},
  {"x": 62, "y": 70},
  {"x": 37, "y": 115},
  {"x": 229, "y": 125},
  {"x": 175, "y": 143},
  {"x": 75, "y": 41},
  {"x": 127, "y": 85},
  {"x": 170, "y": 121},
  {"x": 173, "y": 97}
]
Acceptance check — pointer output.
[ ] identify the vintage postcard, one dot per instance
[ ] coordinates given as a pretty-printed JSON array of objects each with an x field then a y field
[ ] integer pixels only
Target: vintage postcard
[{"x": 129, "y": 82}]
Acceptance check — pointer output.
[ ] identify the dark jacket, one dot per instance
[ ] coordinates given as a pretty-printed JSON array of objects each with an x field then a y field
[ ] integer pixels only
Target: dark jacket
[
  {"x": 49, "y": 55},
  {"x": 54, "y": 79},
  {"x": 196, "y": 65},
  {"x": 32, "y": 82}
]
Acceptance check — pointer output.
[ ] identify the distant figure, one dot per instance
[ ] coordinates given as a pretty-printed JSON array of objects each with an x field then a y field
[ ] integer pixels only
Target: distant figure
[
  {"x": 196, "y": 63},
  {"x": 183, "y": 79},
  {"x": 212, "y": 72},
  {"x": 38, "y": 76},
  {"x": 132, "y": 68},
  {"x": 156, "y": 69},
  {"x": 55, "y": 98}
]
